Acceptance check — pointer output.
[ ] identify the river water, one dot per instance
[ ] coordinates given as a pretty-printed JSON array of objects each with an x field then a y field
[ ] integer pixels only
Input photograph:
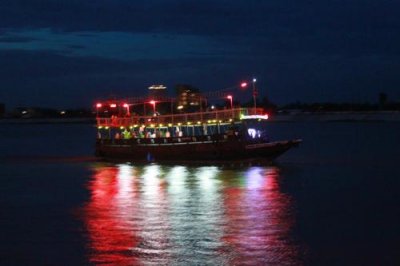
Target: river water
[{"x": 332, "y": 201}]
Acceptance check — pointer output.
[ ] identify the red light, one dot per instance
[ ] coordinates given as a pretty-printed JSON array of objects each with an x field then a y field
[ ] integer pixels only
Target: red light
[
  {"x": 243, "y": 84},
  {"x": 229, "y": 97},
  {"x": 99, "y": 105},
  {"x": 113, "y": 105},
  {"x": 153, "y": 102},
  {"x": 125, "y": 105}
]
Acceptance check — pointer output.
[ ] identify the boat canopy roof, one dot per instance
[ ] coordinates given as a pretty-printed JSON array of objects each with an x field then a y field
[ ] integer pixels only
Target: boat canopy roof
[{"x": 225, "y": 116}]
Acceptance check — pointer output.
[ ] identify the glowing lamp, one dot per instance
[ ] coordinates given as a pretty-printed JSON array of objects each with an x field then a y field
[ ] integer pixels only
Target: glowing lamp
[
  {"x": 230, "y": 98},
  {"x": 99, "y": 105},
  {"x": 243, "y": 84},
  {"x": 152, "y": 102},
  {"x": 252, "y": 132},
  {"x": 125, "y": 105},
  {"x": 113, "y": 105}
]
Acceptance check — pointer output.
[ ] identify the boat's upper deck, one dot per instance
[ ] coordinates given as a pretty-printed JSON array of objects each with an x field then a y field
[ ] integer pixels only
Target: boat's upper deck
[{"x": 197, "y": 118}]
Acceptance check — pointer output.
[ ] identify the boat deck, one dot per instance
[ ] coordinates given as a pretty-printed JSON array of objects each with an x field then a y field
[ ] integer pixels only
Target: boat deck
[{"x": 198, "y": 118}]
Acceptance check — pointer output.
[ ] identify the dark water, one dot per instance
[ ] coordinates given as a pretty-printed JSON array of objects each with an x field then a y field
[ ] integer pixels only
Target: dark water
[{"x": 332, "y": 201}]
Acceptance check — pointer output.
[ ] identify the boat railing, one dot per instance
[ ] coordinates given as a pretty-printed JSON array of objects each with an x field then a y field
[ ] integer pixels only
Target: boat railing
[{"x": 215, "y": 116}]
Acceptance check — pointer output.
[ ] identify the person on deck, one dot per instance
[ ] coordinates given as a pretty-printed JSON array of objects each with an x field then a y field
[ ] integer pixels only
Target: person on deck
[
  {"x": 126, "y": 134},
  {"x": 148, "y": 134}
]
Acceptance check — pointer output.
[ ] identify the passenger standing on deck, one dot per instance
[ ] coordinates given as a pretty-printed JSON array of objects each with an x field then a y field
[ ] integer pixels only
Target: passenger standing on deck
[
  {"x": 141, "y": 132},
  {"x": 148, "y": 134},
  {"x": 114, "y": 120},
  {"x": 126, "y": 134}
]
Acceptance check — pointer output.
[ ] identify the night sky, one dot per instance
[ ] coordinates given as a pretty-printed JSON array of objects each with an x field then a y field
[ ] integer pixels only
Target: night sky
[{"x": 68, "y": 53}]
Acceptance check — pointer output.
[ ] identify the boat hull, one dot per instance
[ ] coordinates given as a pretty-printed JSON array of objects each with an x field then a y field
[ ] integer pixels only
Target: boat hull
[{"x": 192, "y": 150}]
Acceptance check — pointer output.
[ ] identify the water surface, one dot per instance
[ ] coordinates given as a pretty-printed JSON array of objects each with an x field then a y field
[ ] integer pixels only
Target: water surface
[{"x": 332, "y": 201}]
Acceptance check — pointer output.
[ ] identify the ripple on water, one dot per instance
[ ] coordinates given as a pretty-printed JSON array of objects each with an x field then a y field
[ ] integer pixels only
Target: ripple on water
[{"x": 199, "y": 215}]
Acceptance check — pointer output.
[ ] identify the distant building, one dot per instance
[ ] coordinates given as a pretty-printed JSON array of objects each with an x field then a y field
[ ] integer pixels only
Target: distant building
[
  {"x": 188, "y": 98},
  {"x": 157, "y": 91}
]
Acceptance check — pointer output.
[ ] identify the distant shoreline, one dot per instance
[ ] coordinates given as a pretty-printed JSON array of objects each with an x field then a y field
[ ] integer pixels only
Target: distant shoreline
[
  {"x": 48, "y": 121},
  {"x": 367, "y": 116}
]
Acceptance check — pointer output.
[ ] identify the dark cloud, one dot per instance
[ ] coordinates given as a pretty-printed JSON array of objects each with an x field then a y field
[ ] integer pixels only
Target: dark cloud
[
  {"x": 12, "y": 38},
  {"x": 341, "y": 26},
  {"x": 300, "y": 50},
  {"x": 192, "y": 16},
  {"x": 75, "y": 47}
]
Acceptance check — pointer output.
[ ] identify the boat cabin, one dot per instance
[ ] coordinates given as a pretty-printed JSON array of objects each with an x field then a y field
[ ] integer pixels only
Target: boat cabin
[{"x": 118, "y": 122}]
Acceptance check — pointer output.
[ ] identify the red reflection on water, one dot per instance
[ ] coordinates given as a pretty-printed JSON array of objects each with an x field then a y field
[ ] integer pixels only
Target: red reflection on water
[
  {"x": 153, "y": 218},
  {"x": 120, "y": 218},
  {"x": 259, "y": 220},
  {"x": 111, "y": 236},
  {"x": 109, "y": 239}
]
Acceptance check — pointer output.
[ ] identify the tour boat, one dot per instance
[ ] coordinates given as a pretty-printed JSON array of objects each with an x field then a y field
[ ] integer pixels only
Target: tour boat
[{"x": 208, "y": 135}]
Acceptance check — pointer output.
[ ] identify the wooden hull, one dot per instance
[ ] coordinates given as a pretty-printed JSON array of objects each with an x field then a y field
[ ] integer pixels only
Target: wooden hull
[{"x": 192, "y": 150}]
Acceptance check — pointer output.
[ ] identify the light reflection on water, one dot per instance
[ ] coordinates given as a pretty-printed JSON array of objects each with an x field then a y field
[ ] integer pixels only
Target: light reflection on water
[{"x": 188, "y": 215}]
